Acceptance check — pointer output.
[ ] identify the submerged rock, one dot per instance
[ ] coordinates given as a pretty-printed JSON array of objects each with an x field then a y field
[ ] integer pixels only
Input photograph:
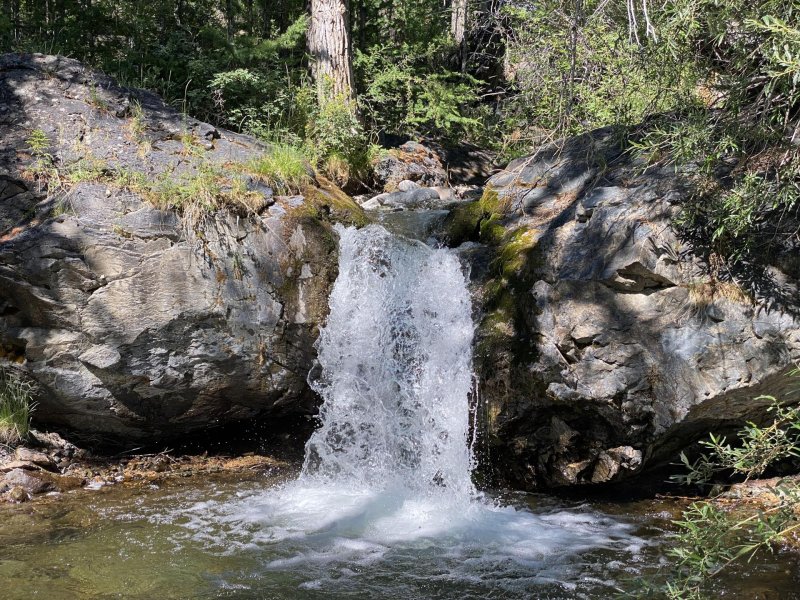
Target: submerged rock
[
  {"x": 608, "y": 342},
  {"x": 134, "y": 321}
]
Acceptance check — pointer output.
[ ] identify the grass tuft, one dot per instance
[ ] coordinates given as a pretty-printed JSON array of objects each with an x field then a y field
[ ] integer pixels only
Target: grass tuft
[
  {"x": 16, "y": 407},
  {"x": 284, "y": 168}
]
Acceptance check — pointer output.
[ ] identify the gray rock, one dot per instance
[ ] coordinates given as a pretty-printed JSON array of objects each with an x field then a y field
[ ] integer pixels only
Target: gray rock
[
  {"x": 130, "y": 321},
  {"x": 410, "y": 163},
  {"x": 620, "y": 347},
  {"x": 407, "y": 186}
]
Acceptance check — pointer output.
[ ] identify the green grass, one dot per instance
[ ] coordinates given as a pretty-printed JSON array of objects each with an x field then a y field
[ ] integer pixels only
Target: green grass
[
  {"x": 16, "y": 407},
  {"x": 284, "y": 168}
]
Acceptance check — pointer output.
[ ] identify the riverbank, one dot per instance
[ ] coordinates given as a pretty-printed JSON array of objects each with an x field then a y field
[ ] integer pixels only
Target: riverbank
[{"x": 48, "y": 466}]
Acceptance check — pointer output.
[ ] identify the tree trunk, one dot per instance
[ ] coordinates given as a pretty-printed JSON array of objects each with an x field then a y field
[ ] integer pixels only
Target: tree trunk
[
  {"x": 458, "y": 28},
  {"x": 330, "y": 49},
  {"x": 229, "y": 18}
]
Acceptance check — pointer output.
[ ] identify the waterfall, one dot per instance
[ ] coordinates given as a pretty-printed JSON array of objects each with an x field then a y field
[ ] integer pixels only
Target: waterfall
[
  {"x": 395, "y": 375},
  {"x": 384, "y": 505}
]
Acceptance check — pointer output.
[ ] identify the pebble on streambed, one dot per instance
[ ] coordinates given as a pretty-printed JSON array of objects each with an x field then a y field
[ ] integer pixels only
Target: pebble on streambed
[{"x": 55, "y": 466}]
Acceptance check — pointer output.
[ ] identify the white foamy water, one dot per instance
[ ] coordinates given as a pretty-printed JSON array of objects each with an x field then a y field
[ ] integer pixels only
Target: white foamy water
[{"x": 385, "y": 497}]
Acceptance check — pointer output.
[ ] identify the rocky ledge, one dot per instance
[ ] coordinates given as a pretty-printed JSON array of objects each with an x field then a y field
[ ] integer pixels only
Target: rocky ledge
[
  {"x": 48, "y": 466},
  {"x": 608, "y": 341},
  {"x": 151, "y": 283}
]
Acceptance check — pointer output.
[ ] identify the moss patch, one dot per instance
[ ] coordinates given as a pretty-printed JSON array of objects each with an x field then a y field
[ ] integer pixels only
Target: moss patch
[{"x": 328, "y": 202}]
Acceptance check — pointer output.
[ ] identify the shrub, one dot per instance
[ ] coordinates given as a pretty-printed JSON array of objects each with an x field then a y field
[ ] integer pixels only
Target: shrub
[
  {"x": 709, "y": 539},
  {"x": 16, "y": 407}
]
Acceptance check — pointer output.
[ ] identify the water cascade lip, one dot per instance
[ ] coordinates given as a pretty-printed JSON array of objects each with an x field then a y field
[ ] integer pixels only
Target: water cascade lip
[{"x": 385, "y": 489}]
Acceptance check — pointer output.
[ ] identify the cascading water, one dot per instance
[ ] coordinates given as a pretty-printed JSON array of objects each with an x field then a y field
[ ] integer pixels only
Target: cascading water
[
  {"x": 385, "y": 502},
  {"x": 395, "y": 361}
]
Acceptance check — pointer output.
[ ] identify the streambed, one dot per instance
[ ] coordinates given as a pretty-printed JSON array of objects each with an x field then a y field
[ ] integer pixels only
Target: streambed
[{"x": 203, "y": 539}]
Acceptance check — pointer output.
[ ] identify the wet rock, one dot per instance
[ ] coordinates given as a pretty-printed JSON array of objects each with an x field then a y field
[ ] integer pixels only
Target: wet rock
[
  {"x": 607, "y": 327},
  {"x": 17, "y": 494},
  {"x": 33, "y": 482}
]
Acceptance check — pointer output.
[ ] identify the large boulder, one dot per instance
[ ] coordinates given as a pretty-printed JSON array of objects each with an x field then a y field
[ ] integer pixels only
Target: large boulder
[
  {"x": 608, "y": 341},
  {"x": 133, "y": 320}
]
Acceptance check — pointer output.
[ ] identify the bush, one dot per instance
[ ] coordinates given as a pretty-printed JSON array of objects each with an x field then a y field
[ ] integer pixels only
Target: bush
[
  {"x": 406, "y": 91},
  {"x": 16, "y": 407},
  {"x": 710, "y": 539}
]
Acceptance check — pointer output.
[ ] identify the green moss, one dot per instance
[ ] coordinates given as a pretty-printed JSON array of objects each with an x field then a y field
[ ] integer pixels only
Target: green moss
[
  {"x": 491, "y": 230},
  {"x": 463, "y": 223},
  {"x": 490, "y": 202},
  {"x": 514, "y": 251},
  {"x": 327, "y": 202},
  {"x": 480, "y": 220}
]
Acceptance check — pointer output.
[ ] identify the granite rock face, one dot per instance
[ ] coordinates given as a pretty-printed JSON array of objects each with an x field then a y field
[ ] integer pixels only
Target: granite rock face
[
  {"x": 134, "y": 322},
  {"x": 608, "y": 342}
]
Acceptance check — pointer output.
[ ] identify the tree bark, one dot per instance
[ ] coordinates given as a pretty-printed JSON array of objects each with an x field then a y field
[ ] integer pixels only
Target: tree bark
[
  {"x": 458, "y": 29},
  {"x": 330, "y": 49},
  {"x": 229, "y": 19}
]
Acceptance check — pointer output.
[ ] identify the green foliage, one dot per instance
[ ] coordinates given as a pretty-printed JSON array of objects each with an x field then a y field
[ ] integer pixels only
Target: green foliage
[
  {"x": 39, "y": 144},
  {"x": 574, "y": 67},
  {"x": 284, "y": 167},
  {"x": 16, "y": 407},
  {"x": 709, "y": 539},
  {"x": 739, "y": 124},
  {"x": 43, "y": 168},
  {"x": 405, "y": 90}
]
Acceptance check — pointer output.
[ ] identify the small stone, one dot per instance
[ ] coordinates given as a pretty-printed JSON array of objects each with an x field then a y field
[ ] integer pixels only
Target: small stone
[
  {"x": 18, "y": 495},
  {"x": 407, "y": 185},
  {"x": 35, "y": 457}
]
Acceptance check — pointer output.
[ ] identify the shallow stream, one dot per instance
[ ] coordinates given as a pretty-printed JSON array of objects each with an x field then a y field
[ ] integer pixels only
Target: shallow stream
[{"x": 194, "y": 539}]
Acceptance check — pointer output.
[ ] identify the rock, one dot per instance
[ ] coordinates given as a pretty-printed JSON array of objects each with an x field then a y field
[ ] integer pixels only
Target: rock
[
  {"x": 372, "y": 204},
  {"x": 410, "y": 163},
  {"x": 17, "y": 494},
  {"x": 53, "y": 441},
  {"x": 446, "y": 194},
  {"x": 18, "y": 464},
  {"x": 33, "y": 482},
  {"x": 133, "y": 321},
  {"x": 602, "y": 322},
  {"x": 412, "y": 198},
  {"x": 35, "y": 457},
  {"x": 407, "y": 186},
  {"x": 611, "y": 461}
]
